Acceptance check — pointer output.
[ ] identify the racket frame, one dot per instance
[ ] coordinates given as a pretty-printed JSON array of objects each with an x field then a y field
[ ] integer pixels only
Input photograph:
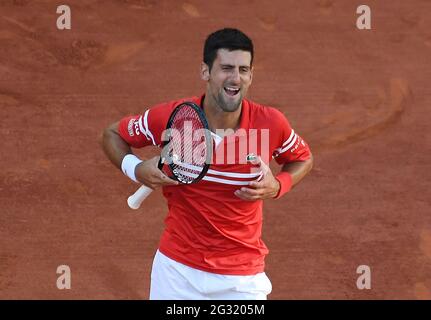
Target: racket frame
[
  {"x": 208, "y": 139},
  {"x": 136, "y": 199}
]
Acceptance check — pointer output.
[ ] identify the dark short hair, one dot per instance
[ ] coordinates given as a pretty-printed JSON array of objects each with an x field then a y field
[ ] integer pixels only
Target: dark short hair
[{"x": 227, "y": 38}]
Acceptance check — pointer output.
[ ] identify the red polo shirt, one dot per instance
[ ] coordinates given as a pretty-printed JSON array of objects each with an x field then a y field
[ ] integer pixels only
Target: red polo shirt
[{"x": 207, "y": 226}]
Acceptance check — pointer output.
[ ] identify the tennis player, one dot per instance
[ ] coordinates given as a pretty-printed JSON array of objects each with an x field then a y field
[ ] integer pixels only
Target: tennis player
[{"x": 212, "y": 247}]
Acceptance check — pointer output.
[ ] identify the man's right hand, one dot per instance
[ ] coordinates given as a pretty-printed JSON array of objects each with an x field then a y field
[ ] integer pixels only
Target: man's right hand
[{"x": 149, "y": 174}]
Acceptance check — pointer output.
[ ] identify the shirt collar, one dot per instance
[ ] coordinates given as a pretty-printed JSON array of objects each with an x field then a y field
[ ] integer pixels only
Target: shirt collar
[{"x": 245, "y": 112}]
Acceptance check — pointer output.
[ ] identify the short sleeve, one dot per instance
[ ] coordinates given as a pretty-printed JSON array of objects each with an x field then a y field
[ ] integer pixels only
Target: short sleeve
[
  {"x": 146, "y": 129},
  {"x": 290, "y": 146}
]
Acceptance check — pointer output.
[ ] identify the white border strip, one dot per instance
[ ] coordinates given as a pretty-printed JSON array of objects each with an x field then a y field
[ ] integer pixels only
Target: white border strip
[
  {"x": 141, "y": 127},
  {"x": 235, "y": 174},
  {"x": 220, "y": 173},
  {"x": 232, "y": 182},
  {"x": 290, "y": 145},
  {"x": 290, "y": 138},
  {"x": 146, "y": 127},
  {"x": 214, "y": 179}
]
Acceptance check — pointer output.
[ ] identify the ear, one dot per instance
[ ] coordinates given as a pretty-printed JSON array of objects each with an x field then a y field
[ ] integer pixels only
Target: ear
[
  {"x": 251, "y": 74},
  {"x": 205, "y": 72}
]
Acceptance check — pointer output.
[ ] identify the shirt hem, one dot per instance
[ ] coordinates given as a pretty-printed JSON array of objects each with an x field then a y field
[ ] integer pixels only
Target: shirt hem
[{"x": 244, "y": 272}]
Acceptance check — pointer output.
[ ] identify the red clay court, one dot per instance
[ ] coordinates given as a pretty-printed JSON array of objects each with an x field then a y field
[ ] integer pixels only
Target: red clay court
[{"x": 359, "y": 97}]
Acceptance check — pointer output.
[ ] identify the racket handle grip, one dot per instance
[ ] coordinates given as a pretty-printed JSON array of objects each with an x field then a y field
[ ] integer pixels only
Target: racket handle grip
[{"x": 136, "y": 199}]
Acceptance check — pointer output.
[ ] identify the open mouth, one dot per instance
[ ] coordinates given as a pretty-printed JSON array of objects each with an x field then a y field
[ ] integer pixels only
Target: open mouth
[{"x": 230, "y": 91}]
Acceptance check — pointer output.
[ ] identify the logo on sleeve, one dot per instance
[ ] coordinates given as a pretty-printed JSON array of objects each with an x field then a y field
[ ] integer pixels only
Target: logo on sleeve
[
  {"x": 130, "y": 127},
  {"x": 137, "y": 131},
  {"x": 133, "y": 127},
  {"x": 298, "y": 143}
]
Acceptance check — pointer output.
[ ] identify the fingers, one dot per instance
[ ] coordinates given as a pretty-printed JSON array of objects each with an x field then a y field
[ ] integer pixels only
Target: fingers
[
  {"x": 243, "y": 196},
  {"x": 249, "y": 194},
  {"x": 263, "y": 166},
  {"x": 262, "y": 188},
  {"x": 255, "y": 160},
  {"x": 161, "y": 180},
  {"x": 150, "y": 175},
  {"x": 165, "y": 180},
  {"x": 258, "y": 184}
]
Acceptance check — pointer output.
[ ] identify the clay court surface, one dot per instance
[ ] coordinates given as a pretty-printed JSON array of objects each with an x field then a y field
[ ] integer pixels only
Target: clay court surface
[{"x": 360, "y": 98}]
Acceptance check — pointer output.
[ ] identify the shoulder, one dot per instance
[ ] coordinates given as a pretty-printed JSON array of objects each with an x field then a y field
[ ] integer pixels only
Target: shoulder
[
  {"x": 265, "y": 114},
  {"x": 156, "y": 117},
  {"x": 161, "y": 112},
  {"x": 170, "y": 105}
]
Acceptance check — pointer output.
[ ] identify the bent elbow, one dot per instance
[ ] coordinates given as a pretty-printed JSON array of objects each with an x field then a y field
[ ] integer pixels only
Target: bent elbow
[
  {"x": 311, "y": 162},
  {"x": 107, "y": 135},
  {"x": 104, "y": 136}
]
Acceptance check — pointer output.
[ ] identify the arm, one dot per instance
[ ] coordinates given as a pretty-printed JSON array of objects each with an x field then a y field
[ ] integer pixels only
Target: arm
[
  {"x": 114, "y": 146},
  {"x": 298, "y": 169},
  {"x": 269, "y": 186},
  {"x": 147, "y": 172}
]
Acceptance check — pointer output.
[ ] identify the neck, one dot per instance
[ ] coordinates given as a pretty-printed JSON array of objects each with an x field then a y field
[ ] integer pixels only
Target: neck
[{"x": 219, "y": 119}]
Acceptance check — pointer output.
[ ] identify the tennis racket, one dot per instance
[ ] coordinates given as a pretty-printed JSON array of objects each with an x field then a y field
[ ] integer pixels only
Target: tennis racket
[{"x": 187, "y": 149}]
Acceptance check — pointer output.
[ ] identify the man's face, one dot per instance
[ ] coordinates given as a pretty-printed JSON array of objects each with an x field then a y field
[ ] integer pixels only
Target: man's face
[{"x": 229, "y": 78}]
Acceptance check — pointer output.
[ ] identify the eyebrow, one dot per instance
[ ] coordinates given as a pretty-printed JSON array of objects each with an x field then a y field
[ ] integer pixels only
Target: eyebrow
[{"x": 232, "y": 66}]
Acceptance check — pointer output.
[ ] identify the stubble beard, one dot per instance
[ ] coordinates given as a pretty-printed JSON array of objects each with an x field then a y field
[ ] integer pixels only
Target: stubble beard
[{"x": 229, "y": 106}]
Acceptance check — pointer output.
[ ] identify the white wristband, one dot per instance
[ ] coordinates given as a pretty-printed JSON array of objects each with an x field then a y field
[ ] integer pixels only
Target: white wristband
[{"x": 128, "y": 166}]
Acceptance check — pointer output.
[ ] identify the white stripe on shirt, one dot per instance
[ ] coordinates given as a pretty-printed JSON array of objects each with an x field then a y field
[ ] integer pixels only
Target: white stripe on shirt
[
  {"x": 146, "y": 127},
  {"x": 290, "y": 144},
  {"x": 290, "y": 138}
]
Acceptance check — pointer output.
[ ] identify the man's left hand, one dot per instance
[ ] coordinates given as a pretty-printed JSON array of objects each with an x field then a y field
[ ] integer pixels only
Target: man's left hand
[{"x": 265, "y": 188}]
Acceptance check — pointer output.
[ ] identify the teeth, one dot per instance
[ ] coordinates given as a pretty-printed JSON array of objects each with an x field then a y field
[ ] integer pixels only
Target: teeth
[{"x": 231, "y": 89}]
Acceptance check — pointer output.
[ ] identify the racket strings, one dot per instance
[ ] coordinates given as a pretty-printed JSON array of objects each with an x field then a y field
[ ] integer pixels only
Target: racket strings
[{"x": 189, "y": 145}]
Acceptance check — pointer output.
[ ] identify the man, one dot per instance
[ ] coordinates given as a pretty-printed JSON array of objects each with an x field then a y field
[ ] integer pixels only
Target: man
[{"x": 211, "y": 247}]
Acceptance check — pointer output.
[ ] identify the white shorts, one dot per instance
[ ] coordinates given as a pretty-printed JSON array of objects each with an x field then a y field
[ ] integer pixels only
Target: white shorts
[{"x": 171, "y": 280}]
